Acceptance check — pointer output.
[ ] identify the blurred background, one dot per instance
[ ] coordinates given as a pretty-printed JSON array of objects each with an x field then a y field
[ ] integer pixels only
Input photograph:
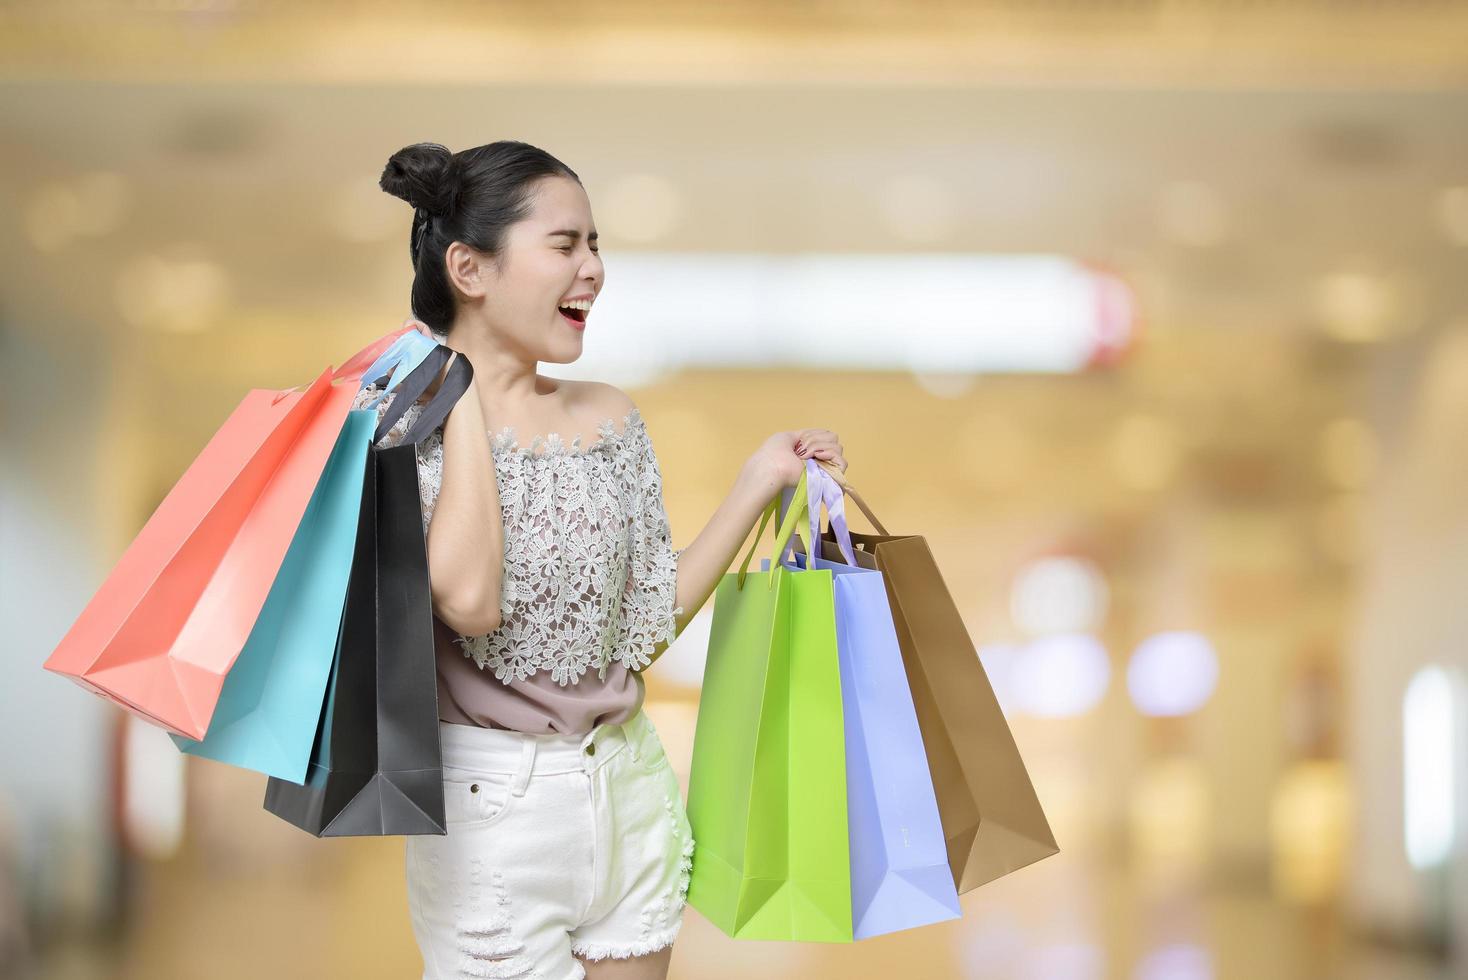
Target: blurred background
[{"x": 1151, "y": 316}]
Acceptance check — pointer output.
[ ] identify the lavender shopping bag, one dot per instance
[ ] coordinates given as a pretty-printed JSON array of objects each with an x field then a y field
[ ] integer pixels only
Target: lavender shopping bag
[{"x": 900, "y": 876}]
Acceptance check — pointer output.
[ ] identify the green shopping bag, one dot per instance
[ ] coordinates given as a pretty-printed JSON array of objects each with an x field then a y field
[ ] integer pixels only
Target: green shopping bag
[{"x": 767, "y": 790}]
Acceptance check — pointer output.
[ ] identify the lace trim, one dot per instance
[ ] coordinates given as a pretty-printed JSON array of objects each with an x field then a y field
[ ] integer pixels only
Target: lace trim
[{"x": 607, "y": 440}]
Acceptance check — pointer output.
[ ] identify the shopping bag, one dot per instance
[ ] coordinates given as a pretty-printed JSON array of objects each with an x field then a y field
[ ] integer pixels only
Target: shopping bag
[
  {"x": 270, "y": 705},
  {"x": 767, "y": 789},
  {"x": 170, "y": 619},
  {"x": 376, "y": 767},
  {"x": 900, "y": 877},
  {"x": 991, "y": 816},
  {"x": 398, "y": 361}
]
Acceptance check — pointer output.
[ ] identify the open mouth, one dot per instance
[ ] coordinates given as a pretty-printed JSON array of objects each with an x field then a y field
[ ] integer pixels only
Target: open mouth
[{"x": 578, "y": 315}]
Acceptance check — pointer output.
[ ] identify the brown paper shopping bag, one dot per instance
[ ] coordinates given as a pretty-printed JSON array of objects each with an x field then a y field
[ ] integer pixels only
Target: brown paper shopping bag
[{"x": 991, "y": 817}]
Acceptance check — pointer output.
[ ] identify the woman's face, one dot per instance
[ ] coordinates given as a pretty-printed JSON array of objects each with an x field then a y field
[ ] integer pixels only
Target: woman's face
[{"x": 549, "y": 259}]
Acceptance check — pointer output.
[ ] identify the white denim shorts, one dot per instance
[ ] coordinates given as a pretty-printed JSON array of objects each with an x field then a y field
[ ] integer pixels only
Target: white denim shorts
[{"x": 556, "y": 844}]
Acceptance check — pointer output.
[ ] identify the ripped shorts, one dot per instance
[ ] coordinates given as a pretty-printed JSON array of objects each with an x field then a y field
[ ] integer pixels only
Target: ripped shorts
[{"x": 556, "y": 844}]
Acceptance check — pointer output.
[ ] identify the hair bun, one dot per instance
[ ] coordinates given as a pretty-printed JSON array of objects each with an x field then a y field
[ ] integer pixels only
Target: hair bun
[{"x": 421, "y": 174}]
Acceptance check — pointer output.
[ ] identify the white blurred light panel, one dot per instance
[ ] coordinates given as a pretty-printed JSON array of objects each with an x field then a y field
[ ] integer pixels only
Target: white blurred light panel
[
  {"x": 933, "y": 312},
  {"x": 1429, "y": 773}
]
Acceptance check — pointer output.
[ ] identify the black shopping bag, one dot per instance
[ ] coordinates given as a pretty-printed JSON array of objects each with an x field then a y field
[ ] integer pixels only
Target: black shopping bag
[{"x": 376, "y": 767}]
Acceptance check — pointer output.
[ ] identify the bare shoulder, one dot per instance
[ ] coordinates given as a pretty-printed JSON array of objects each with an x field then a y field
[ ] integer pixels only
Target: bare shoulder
[{"x": 603, "y": 400}]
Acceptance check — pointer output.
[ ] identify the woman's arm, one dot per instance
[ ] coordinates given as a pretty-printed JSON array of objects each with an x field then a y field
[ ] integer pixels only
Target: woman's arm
[
  {"x": 466, "y": 534},
  {"x": 705, "y": 560},
  {"x": 775, "y": 466}
]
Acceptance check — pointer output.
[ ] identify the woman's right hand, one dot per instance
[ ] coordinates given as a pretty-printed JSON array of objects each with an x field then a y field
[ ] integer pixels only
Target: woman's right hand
[
  {"x": 426, "y": 331},
  {"x": 420, "y": 326}
]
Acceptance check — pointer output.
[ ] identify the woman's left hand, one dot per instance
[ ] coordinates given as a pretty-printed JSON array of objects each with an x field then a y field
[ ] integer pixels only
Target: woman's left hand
[
  {"x": 821, "y": 444},
  {"x": 785, "y": 453}
]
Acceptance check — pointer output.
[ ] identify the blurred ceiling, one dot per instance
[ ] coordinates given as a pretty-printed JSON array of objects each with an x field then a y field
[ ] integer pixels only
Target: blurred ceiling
[
  {"x": 1235, "y": 43},
  {"x": 1246, "y": 166}
]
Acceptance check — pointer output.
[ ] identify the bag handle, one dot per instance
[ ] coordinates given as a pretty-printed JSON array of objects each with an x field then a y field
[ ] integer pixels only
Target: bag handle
[
  {"x": 461, "y": 372},
  {"x": 406, "y": 353},
  {"x": 763, "y": 520},
  {"x": 822, "y": 488},
  {"x": 846, "y": 488},
  {"x": 783, "y": 534},
  {"x": 416, "y": 383}
]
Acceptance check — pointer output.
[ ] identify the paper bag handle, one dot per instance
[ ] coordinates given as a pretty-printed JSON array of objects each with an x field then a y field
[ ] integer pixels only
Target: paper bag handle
[
  {"x": 850, "y": 490},
  {"x": 792, "y": 516}
]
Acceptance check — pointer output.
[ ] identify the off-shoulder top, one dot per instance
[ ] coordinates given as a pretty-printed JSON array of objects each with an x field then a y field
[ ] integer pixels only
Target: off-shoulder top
[{"x": 590, "y": 579}]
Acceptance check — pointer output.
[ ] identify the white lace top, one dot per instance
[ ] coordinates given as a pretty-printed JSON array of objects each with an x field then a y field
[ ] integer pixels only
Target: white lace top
[{"x": 590, "y": 574}]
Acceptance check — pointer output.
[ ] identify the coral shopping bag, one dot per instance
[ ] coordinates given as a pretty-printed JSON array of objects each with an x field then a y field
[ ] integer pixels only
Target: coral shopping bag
[
  {"x": 175, "y": 612},
  {"x": 767, "y": 791},
  {"x": 899, "y": 861},
  {"x": 376, "y": 768},
  {"x": 991, "y": 815},
  {"x": 270, "y": 705}
]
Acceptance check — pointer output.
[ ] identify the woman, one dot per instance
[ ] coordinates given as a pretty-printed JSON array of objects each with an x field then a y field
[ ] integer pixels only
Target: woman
[{"x": 554, "y": 584}]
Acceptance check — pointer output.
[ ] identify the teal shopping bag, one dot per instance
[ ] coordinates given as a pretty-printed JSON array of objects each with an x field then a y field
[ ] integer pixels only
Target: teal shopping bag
[{"x": 271, "y": 700}]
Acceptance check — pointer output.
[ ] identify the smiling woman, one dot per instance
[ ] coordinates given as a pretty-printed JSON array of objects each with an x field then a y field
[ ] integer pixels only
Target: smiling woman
[
  {"x": 567, "y": 840},
  {"x": 561, "y": 569}
]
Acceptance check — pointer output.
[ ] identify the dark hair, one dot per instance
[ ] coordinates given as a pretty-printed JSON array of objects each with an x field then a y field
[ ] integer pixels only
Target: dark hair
[{"x": 473, "y": 197}]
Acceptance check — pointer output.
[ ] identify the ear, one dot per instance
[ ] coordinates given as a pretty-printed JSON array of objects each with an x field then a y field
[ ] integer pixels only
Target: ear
[{"x": 464, "y": 267}]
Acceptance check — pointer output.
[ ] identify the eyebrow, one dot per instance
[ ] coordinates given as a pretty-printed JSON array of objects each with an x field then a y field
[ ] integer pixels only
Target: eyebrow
[{"x": 572, "y": 234}]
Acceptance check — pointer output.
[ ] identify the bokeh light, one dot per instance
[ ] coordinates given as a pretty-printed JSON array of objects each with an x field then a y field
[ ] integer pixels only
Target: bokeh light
[
  {"x": 1172, "y": 673},
  {"x": 1059, "y": 676},
  {"x": 1171, "y": 821},
  {"x": 1059, "y": 594},
  {"x": 998, "y": 660},
  {"x": 1176, "y": 961},
  {"x": 1309, "y": 830}
]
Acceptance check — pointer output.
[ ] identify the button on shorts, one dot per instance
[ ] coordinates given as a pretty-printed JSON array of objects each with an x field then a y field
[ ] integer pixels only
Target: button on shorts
[{"x": 556, "y": 844}]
